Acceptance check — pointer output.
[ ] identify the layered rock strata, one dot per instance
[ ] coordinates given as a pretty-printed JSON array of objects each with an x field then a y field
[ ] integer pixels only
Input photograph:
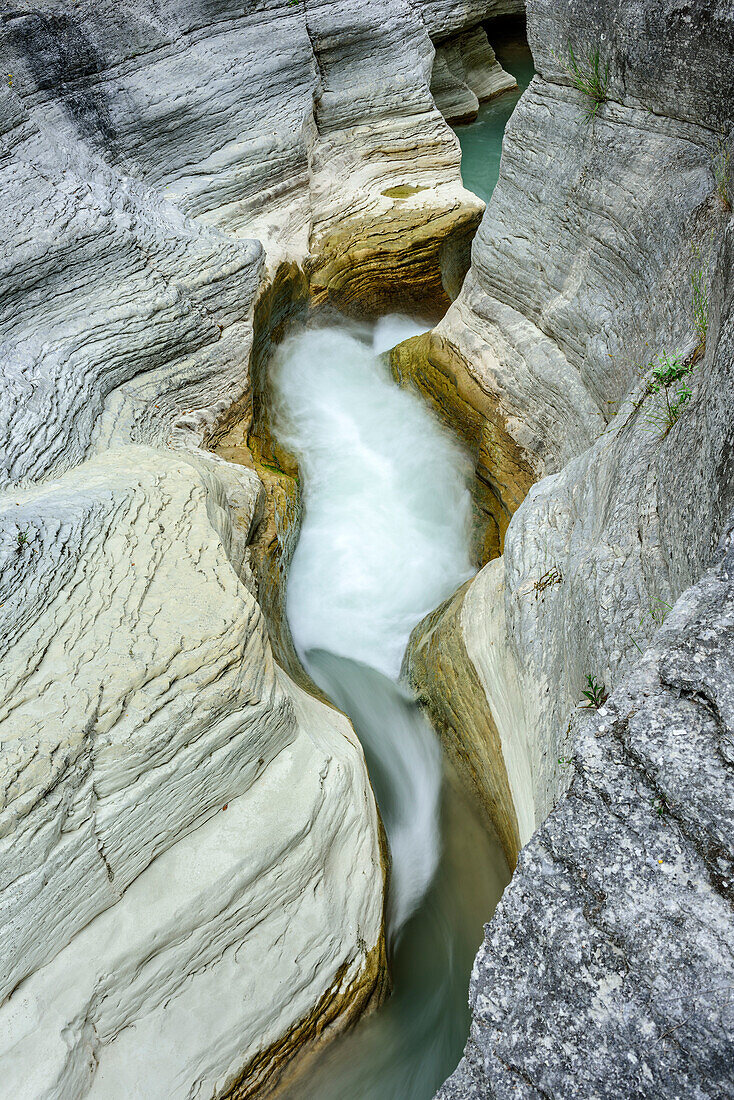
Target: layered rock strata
[
  {"x": 615, "y": 935},
  {"x": 446, "y": 18},
  {"x": 191, "y": 880},
  {"x": 150, "y": 875},
  {"x": 546, "y": 350},
  {"x": 465, "y": 74}
]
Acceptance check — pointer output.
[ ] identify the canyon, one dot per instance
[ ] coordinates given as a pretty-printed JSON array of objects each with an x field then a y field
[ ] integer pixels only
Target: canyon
[{"x": 194, "y": 872}]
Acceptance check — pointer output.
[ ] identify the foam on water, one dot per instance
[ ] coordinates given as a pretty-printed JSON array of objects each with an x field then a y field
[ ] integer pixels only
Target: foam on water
[
  {"x": 385, "y": 538},
  {"x": 393, "y": 329},
  {"x": 386, "y": 529},
  {"x": 404, "y": 761}
]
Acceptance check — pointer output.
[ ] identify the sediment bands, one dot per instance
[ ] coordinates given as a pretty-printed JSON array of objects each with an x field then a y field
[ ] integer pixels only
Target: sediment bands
[
  {"x": 244, "y": 436},
  {"x": 438, "y": 667},
  {"x": 502, "y": 475},
  {"x": 411, "y": 258},
  {"x": 338, "y": 1009}
]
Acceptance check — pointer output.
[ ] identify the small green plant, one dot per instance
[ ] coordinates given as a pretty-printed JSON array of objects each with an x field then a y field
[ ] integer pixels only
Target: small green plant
[
  {"x": 551, "y": 577},
  {"x": 657, "y": 611},
  {"x": 721, "y": 164},
  {"x": 23, "y": 538},
  {"x": 669, "y": 378},
  {"x": 587, "y": 77},
  {"x": 565, "y": 761},
  {"x": 595, "y": 694},
  {"x": 658, "y": 805}
]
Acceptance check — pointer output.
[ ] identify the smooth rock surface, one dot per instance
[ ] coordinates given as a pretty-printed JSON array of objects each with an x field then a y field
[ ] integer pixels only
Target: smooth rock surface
[
  {"x": 608, "y": 968},
  {"x": 581, "y": 274},
  {"x": 465, "y": 74},
  {"x": 191, "y": 883},
  {"x": 443, "y": 18},
  {"x": 142, "y": 704}
]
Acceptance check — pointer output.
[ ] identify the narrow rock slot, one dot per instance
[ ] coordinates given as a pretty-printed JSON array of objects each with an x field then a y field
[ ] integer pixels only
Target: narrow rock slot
[
  {"x": 477, "y": 99},
  {"x": 481, "y": 138},
  {"x": 192, "y": 861},
  {"x": 389, "y": 531},
  {"x": 385, "y": 537}
]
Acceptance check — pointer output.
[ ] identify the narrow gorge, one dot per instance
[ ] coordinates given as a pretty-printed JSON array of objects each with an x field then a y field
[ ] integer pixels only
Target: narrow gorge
[{"x": 366, "y": 525}]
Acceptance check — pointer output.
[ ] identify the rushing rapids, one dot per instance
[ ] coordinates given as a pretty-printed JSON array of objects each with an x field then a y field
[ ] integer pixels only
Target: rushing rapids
[{"x": 385, "y": 538}]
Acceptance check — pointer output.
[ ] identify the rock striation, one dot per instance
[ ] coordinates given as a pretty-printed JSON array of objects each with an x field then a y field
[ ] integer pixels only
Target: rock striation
[
  {"x": 191, "y": 880},
  {"x": 179, "y": 819},
  {"x": 617, "y": 928},
  {"x": 615, "y": 935},
  {"x": 541, "y": 364},
  {"x": 465, "y": 74}
]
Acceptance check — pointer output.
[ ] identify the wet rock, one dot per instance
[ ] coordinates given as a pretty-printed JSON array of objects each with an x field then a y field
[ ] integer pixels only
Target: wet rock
[
  {"x": 605, "y": 969},
  {"x": 161, "y": 163}
]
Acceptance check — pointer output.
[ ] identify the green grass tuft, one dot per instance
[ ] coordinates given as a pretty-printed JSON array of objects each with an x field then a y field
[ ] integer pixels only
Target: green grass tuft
[{"x": 587, "y": 77}]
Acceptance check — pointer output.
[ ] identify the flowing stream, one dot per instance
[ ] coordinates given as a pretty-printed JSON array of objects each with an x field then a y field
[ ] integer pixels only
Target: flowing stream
[{"x": 385, "y": 538}]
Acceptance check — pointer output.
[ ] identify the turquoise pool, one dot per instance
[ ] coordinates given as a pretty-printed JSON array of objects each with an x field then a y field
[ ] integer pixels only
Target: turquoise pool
[{"x": 481, "y": 141}]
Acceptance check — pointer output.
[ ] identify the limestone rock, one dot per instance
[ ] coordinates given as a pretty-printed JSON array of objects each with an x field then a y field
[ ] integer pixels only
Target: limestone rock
[
  {"x": 444, "y": 18},
  {"x": 389, "y": 226},
  {"x": 465, "y": 74},
  {"x": 149, "y": 748},
  {"x": 557, "y": 322},
  {"x": 191, "y": 881},
  {"x": 328, "y": 129},
  {"x": 615, "y": 935},
  {"x": 169, "y": 304},
  {"x": 593, "y": 559}
]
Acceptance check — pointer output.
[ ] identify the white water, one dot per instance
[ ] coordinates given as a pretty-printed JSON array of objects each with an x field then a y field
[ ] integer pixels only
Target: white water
[
  {"x": 387, "y": 510},
  {"x": 393, "y": 329},
  {"x": 404, "y": 762},
  {"x": 385, "y": 539}
]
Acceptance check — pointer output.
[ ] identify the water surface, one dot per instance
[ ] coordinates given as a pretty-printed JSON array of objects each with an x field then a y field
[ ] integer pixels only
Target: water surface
[
  {"x": 385, "y": 538},
  {"x": 481, "y": 141}
]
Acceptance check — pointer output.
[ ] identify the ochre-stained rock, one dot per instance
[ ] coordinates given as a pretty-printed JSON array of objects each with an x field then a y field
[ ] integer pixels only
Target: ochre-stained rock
[
  {"x": 502, "y": 473},
  {"x": 192, "y": 879},
  {"x": 615, "y": 936},
  {"x": 410, "y": 257},
  {"x": 438, "y": 666}
]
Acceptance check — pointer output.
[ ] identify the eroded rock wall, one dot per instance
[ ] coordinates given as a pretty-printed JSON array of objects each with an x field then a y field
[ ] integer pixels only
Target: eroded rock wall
[
  {"x": 149, "y": 743},
  {"x": 191, "y": 882},
  {"x": 444, "y": 18},
  {"x": 465, "y": 73},
  {"x": 581, "y": 274},
  {"x": 606, "y": 968}
]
